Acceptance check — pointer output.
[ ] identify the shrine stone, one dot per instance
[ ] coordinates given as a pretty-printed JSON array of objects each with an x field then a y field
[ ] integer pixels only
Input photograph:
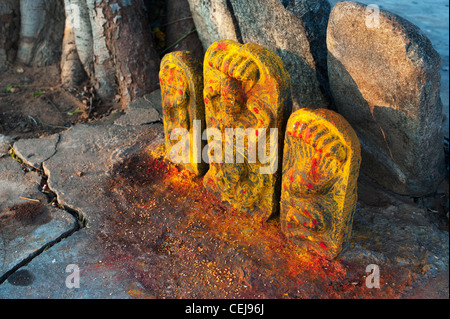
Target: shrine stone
[
  {"x": 181, "y": 79},
  {"x": 247, "y": 95},
  {"x": 321, "y": 164},
  {"x": 384, "y": 77}
]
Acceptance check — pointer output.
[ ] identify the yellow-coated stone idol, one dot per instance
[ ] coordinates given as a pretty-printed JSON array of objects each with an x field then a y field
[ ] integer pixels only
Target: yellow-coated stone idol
[
  {"x": 247, "y": 96},
  {"x": 181, "y": 79},
  {"x": 319, "y": 184}
]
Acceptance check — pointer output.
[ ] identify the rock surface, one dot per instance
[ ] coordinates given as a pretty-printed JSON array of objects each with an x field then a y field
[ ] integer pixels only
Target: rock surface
[
  {"x": 36, "y": 151},
  {"x": 153, "y": 232},
  {"x": 77, "y": 163},
  {"x": 408, "y": 242},
  {"x": 432, "y": 17},
  {"x": 213, "y": 21},
  {"x": 27, "y": 223},
  {"x": 385, "y": 82},
  {"x": 296, "y": 33}
]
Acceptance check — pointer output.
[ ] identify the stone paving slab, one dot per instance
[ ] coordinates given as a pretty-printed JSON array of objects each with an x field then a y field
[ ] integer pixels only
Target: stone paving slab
[
  {"x": 49, "y": 273},
  {"x": 35, "y": 151},
  {"x": 27, "y": 222},
  {"x": 77, "y": 162}
]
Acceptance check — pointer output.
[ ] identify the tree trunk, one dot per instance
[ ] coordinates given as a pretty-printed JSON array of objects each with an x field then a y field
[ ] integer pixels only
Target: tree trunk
[
  {"x": 9, "y": 31},
  {"x": 115, "y": 47},
  {"x": 72, "y": 71},
  {"x": 129, "y": 41},
  {"x": 78, "y": 15},
  {"x": 180, "y": 23},
  {"x": 41, "y": 31},
  {"x": 107, "y": 42}
]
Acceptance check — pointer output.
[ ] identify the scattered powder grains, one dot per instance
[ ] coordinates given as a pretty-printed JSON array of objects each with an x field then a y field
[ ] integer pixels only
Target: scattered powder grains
[{"x": 178, "y": 241}]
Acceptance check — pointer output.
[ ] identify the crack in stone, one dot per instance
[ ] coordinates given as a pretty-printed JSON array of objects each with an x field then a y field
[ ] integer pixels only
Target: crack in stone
[
  {"x": 56, "y": 150},
  {"x": 79, "y": 223},
  {"x": 39, "y": 251}
]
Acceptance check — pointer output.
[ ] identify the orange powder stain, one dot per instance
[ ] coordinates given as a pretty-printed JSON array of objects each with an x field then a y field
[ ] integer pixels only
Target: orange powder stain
[
  {"x": 307, "y": 134},
  {"x": 277, "y": 265},
  {"x": 222, "y": 46},
  {"x": 313, "y": 172}
]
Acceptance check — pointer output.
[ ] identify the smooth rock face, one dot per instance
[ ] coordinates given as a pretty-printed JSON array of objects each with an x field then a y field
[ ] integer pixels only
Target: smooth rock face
[
  {"x": 213, "y": 21},
  {"x": 295, "y": 30},
  {"x": 384, "y": 77}
]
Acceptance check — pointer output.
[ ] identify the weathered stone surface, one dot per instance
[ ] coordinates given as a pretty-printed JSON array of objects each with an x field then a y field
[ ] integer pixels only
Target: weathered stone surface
[
  {"x": 139, "y": 116},
  {"x": 143, "y": 110},
  {"x": 153, "y": 99},
  {"x": 181, "y": 79},
  {"x": 213, "y": 21},
  {"x": 78, "y": 173},
  {"x": 432, "y": 18},
  {"x": 321, "y": 163},
  {"x": 36, "y": 150},
  {"x": 15, "y": 183},
  {"x": 92, "y": 150},
  {"x": 246, "y": 88},
  {"x": 99, "y": 278},
  {"x": 27, "y": 222},
  {"x": 398, "y": 232},
  {"x": 295, "y": 33},
  {"x": 385, "y": 82}
]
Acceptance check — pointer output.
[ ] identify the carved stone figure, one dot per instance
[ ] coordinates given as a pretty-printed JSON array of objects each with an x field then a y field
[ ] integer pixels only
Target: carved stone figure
[
  {"x": 181, "y": 79},
  {"x": 247, "y": 95},
  {"x": 321, "y": 164}
]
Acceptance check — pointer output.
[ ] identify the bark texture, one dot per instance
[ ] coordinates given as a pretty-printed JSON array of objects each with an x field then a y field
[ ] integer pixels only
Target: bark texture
[
  {"x": 72, "y": 72},
  {"x": 78, "y": 15},
  {"x": 41, "y": 31},
  {"x": 180, "y": 24},
  {"x": 9, "y": 31},
  {"x": 130, "y": 44},
  {"x": 115, "y": 47}
]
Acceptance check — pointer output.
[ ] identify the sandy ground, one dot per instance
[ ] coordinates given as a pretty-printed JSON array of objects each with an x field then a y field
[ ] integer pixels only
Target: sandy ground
[{"x": 433, "y": 18}]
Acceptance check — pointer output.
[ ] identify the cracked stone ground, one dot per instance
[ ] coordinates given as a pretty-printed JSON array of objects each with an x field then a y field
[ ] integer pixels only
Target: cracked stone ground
[{"x": 101, "y": 197}]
